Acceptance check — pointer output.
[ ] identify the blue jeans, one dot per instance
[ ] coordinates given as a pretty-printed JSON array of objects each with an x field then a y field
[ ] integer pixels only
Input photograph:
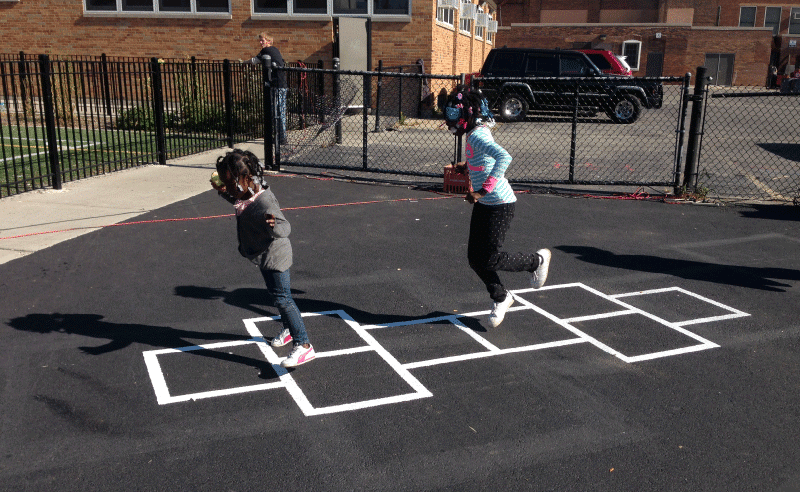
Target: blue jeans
[
  {"x": 280, "y": 113},
  {"x": 279, "y": 288}
]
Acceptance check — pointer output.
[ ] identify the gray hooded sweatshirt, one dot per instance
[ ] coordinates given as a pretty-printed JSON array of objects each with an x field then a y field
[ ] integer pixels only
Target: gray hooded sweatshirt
[{"x": 260, "y": 243}]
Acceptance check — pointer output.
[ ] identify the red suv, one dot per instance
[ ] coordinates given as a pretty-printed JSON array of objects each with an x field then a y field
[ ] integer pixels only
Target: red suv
[{"x": 608, "y": 62}]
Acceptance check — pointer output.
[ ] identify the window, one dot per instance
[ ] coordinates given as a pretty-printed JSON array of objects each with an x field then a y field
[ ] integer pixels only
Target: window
[
  {"x": 599, "y": 61},
  {"x": 632, "y": 50},
  {"x": 747, "y": 17},
  {"x": 506, "y": 63},
  {"x": 794, "y": 21},
  {"x": 337, "y": 7},
  {"x": 391, "y": 7},
  {"x": 573, "y": 66},
  {"x": 445, "y": 16},
  {"x": 541, "y": 66},
  {"x": 349, "y": 6},
  {"x": 772, "y": 18},
  {"x": 159, "y": 6},
  {"x": 467, "y": 13}
]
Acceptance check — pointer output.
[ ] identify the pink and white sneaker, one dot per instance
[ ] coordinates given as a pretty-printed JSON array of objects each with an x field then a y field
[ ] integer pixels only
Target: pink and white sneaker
[
  {"x": 299, "y": 355},
  {"x": 282, "y": 339}
]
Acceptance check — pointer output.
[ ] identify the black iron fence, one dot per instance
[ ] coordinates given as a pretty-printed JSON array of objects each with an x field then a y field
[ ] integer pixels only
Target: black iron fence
[{"x": 68, "y": 119}]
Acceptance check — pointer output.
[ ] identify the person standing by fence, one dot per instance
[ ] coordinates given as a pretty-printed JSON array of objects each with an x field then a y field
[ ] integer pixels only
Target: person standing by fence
[{"x": 278, "y": 79}]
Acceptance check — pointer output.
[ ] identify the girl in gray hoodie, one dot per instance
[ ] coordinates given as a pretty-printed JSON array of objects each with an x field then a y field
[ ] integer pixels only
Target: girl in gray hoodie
[{"x": 263, "y": 234}]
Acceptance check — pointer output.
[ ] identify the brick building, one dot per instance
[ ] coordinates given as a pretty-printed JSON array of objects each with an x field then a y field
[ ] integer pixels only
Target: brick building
[{"x": 659, "y": 37}]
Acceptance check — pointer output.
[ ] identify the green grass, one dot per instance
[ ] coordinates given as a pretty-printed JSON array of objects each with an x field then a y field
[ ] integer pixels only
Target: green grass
[{"x": 83, "y": 153}]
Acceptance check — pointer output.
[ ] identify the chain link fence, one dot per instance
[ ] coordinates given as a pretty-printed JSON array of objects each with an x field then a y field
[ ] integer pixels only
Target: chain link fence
[
  {"x": 68, "y": 119},
  {"x": 751, "y": 145},
  {"x": 403, "y": 133}
]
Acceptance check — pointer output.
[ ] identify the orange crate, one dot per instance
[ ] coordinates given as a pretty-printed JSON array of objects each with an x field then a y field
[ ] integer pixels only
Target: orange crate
[{"x": 455, "y": 182}]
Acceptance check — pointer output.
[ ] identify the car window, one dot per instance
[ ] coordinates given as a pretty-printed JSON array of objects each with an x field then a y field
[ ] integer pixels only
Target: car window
[
  {"x": 599, "y": 61},
  {"x": 541, "y": 66},
  {"x": 506, "y": 64},
  {"x": 573, "y": 66}
]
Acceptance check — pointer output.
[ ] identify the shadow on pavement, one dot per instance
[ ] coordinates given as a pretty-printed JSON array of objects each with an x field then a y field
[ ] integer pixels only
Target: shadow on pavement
[
  {"x": 122, "y": 335},
  {"x": 742, "y": 276},
  {"x": 252, "y": 299}
]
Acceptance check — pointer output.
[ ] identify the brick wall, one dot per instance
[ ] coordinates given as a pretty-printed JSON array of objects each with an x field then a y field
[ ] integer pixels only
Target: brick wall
[
  {"x": 684, "y": 47},
  {"x": 58, "y": 27}
]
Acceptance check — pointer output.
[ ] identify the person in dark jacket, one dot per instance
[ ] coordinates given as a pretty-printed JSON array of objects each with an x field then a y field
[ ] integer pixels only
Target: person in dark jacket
[
  {"x": 263, "y": 234},
  {"x": 278, "y": 79}
]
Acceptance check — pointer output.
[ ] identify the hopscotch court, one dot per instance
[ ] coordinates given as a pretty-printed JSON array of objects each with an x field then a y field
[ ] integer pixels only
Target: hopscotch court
[{"x": 633, "y": 327}]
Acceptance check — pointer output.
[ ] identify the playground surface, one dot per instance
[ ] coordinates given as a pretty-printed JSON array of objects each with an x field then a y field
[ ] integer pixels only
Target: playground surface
[{"x": 663, "y": 352}]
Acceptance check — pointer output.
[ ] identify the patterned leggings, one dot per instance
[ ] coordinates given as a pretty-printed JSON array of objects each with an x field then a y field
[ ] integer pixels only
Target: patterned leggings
[{"x": 487, "y": 231}]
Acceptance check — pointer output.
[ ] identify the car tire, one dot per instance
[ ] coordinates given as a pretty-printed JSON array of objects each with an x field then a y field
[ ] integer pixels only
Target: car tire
[
  {"x": 513, "y": 107},
  {"x": 625, "y": 110}
]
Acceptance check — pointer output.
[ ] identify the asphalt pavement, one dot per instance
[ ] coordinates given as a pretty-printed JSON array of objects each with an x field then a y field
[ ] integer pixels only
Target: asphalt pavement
[{"x": 663, "y": 353}]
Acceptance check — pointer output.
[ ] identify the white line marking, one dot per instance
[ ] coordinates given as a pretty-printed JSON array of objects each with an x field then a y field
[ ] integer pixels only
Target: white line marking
[
  {"x": 286, "y": 381},
  {"x": 480, "y": 355}
]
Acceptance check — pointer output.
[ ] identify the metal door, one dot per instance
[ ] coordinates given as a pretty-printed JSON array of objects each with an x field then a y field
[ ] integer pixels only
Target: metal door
[
  {"x": 720, "y": 68},
  {"x": 655, "y": 65}
]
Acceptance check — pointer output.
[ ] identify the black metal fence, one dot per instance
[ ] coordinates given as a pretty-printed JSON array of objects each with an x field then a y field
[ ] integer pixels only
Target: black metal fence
[{"x": 68, "y": 119}]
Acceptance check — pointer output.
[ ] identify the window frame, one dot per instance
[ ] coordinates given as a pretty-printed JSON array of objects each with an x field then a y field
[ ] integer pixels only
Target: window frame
[
  {"x": 776, "y": 29},
  {"x": 119, "y": 10},
  {"x": 290, "y": 14},
  {"x": 442, "y": 21},
  {"x": 742, "y": 9},
  {"x": 638, "y": 44},
  {"x": 467, "y": 22},
  {"x": 793, "y": 24}
]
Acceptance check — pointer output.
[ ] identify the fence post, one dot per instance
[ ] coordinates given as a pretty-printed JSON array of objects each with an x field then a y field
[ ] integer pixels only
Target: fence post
[
  {"x": 378, "y": 98},
  {"x": 158, "y": 111},
  {"x": 400, "y": 94},
  {"x": 695, "y": 130},
  {"x": 266, "y": 71},
  {"x": 367, "y": 86},
  {"x": 421, "y": 69},
  {"x": 23, "y": 78},
  {"x": 227, "y": 89},
  {"x": 106, "y": 84},
  {"x": 320, "y": 79},
  {"x": 574, "y": 135},
  {"x": 681, "y": 131},
  {"x": 50, "y": 120},
  {"x": 337, "y": 97}
]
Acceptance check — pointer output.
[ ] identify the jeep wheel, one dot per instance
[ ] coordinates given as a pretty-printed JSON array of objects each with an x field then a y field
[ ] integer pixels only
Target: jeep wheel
[
  {"x": 626, "y": 110},
  {"x": 513, "y": 108}
]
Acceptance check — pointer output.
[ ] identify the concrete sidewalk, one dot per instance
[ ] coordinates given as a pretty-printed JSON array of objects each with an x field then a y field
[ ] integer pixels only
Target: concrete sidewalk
[{"x": 39, "y": 219}]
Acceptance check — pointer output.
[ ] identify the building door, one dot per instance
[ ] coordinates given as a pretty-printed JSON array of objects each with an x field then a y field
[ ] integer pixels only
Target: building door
[
  {"x": 655, "y": 65},
  {"x": 353, "y": 47},
  {"x": 719, "y": 66}
]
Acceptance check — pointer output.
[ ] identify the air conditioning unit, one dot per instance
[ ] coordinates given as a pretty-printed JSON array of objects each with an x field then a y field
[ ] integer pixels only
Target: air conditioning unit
[
  {"x": 482, "y": 19},
  {"x": 468, "y": 10},
  {"x": 448, "y": 4},
  {"x": 796, "y": 16},
  {"x": 492, "y": 27}
]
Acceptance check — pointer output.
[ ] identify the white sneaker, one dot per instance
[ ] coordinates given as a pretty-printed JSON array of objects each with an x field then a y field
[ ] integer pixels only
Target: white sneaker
[
  {"x": 539, "y": 275},
  {"x": 299, "y": 355},
  {"x": 282, "y": 339},
  {"x": 499, "y": 310}
]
